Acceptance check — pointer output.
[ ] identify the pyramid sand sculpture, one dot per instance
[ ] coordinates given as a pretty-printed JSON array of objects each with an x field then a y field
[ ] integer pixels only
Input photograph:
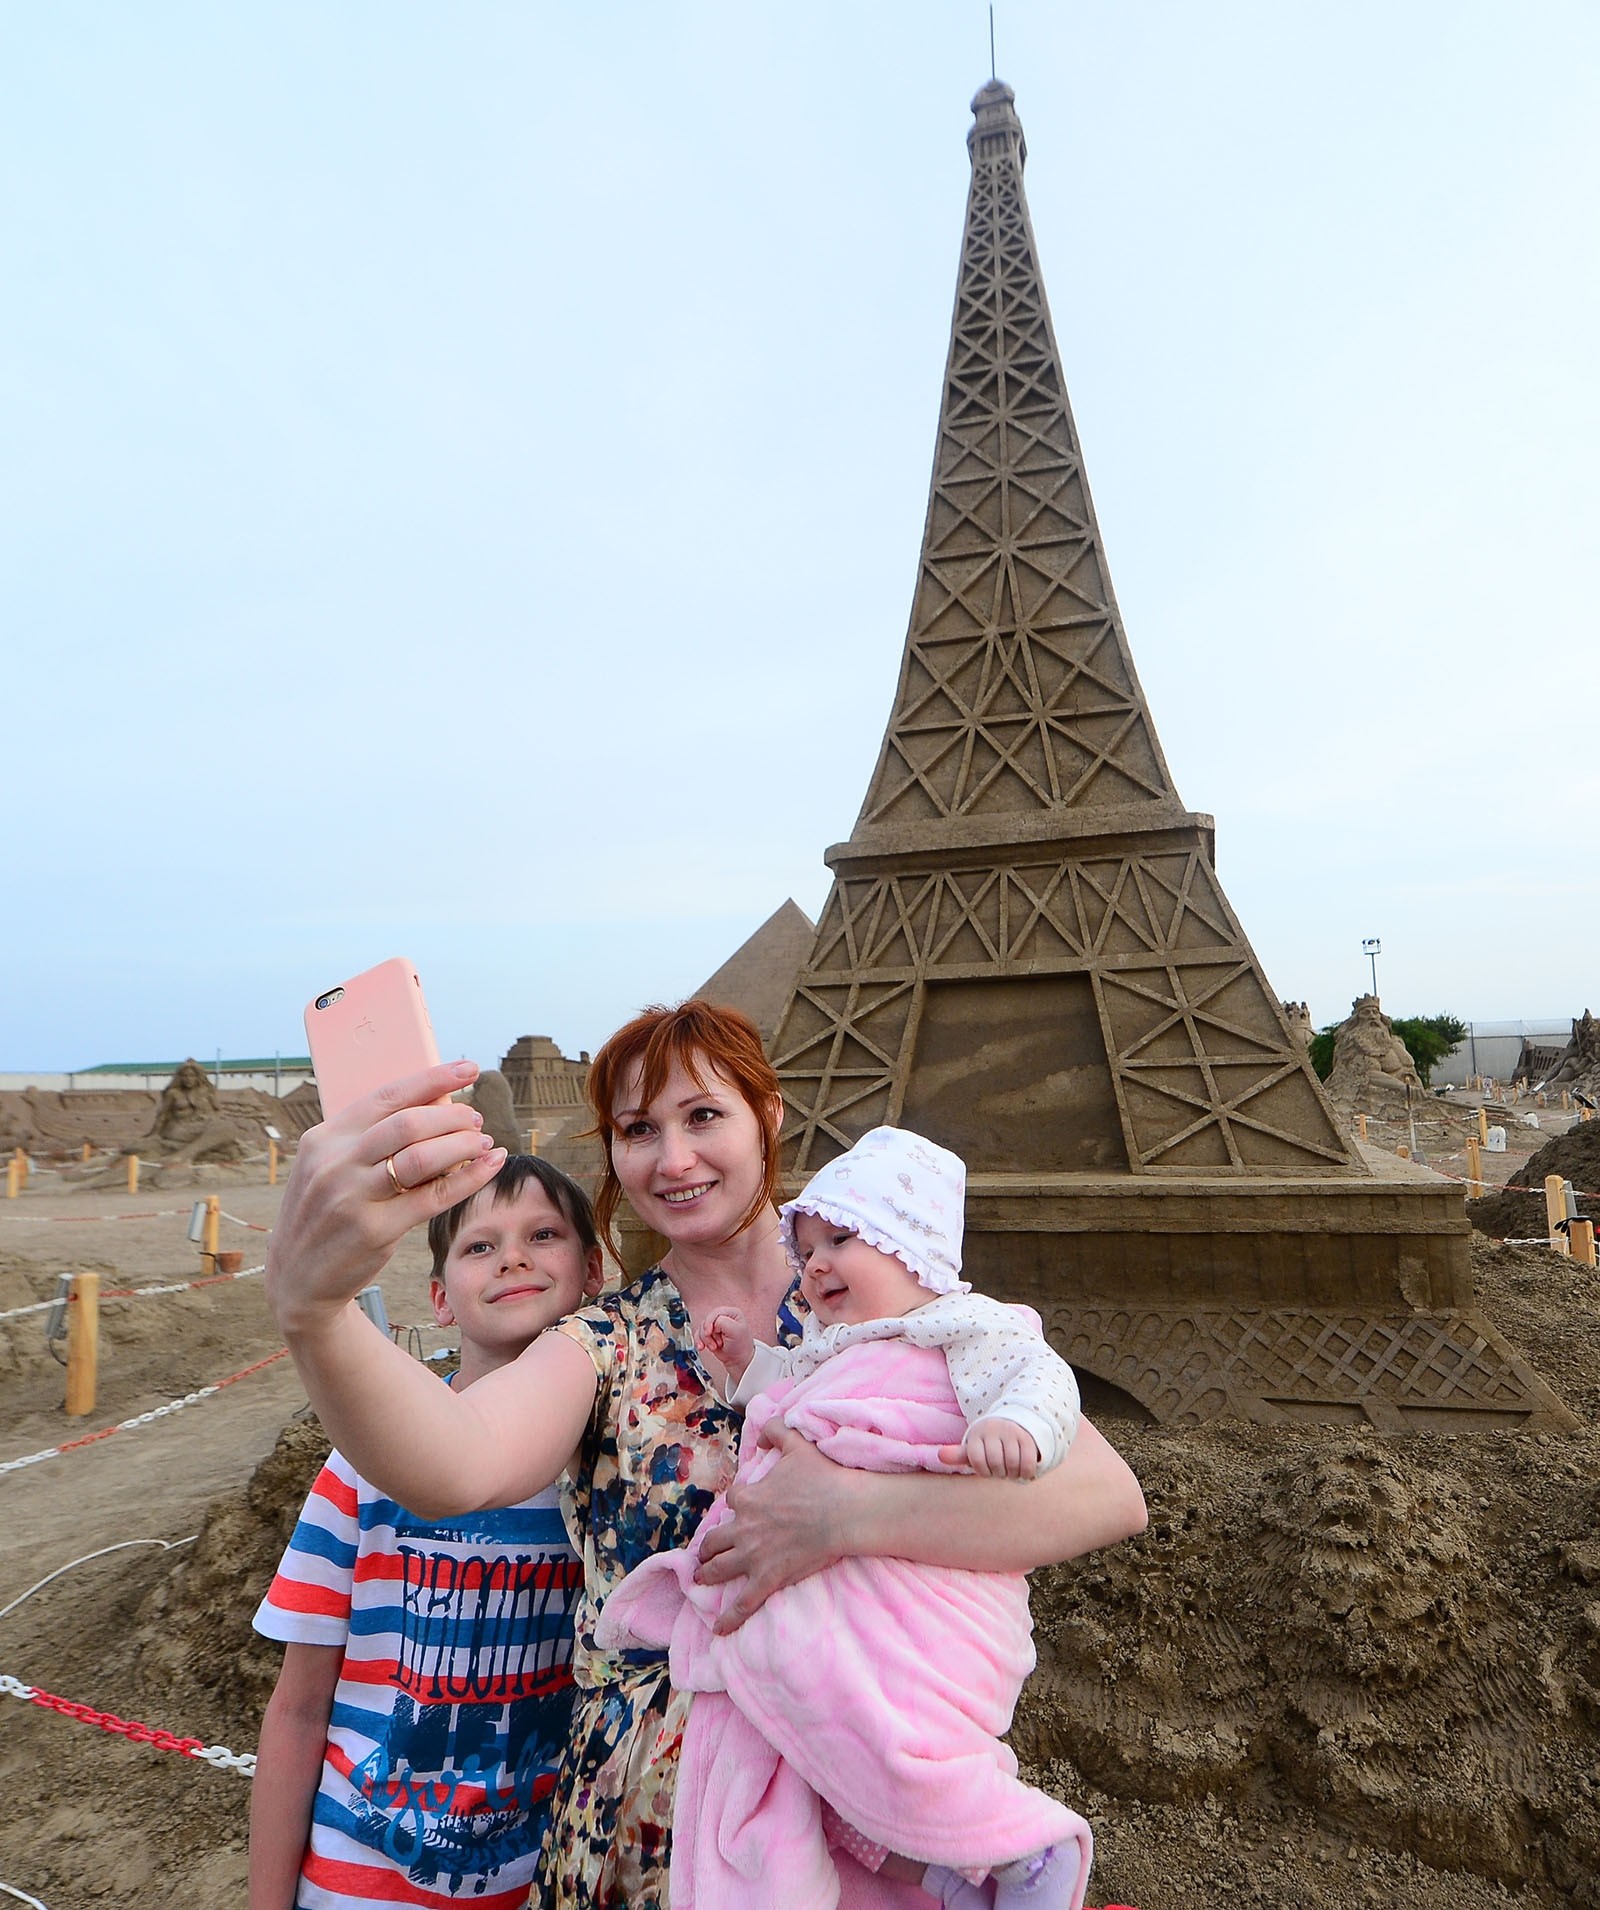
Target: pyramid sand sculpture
[{"x": 1026, "y": 952}]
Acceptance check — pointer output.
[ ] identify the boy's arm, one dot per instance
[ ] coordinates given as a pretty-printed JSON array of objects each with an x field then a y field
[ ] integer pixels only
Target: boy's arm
[{"x": 294, "y": 1736}]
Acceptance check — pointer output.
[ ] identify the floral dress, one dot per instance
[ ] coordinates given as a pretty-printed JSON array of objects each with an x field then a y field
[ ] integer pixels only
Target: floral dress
[{"x": 660, "y": 1445}]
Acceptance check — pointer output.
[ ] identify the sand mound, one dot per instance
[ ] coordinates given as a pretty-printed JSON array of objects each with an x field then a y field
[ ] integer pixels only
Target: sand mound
[
  {"x": 192, "y": 1637},
  {"x": 1575, "y": 1156},
  {"x": 1338, "y": 1670}
]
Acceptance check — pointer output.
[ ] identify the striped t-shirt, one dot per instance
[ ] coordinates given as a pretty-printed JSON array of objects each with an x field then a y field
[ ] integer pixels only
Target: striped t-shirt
[{"x": 454, "y": 1700}]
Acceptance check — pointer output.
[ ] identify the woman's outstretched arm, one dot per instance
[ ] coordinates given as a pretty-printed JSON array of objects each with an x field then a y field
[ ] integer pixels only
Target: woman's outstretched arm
[
  {"x": 809, "y": 1512},
  {"x": 435, "y": 1450}
]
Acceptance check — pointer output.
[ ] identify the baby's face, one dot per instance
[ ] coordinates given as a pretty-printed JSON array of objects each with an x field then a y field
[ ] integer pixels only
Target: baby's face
[{"x": 845, "y": 1279}]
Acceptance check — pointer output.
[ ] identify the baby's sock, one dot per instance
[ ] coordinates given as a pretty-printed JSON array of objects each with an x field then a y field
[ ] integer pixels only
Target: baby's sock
[
  {"x": 954, "y": 1892},
  {"x": 1044, "y": 1881}
]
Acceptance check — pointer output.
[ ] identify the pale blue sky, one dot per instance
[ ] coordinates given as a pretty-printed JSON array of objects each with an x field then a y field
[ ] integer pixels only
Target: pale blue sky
[{"x": 464, "y": 469}]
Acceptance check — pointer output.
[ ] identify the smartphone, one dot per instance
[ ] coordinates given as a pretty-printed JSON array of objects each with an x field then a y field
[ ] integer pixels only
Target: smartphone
[{"x": 369, "y": 1030}]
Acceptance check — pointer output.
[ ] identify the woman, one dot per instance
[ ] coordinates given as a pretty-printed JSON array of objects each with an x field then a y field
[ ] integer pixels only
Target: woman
[{"x": 619, "y": 1399}]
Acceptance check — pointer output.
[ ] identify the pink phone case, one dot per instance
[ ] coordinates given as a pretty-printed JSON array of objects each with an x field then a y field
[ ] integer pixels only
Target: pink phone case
[{"x": 372, "y": 1030}]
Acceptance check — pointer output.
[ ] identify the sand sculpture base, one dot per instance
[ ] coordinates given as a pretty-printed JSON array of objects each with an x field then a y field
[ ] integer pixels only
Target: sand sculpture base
[{"x": 1199, "y": 1301}]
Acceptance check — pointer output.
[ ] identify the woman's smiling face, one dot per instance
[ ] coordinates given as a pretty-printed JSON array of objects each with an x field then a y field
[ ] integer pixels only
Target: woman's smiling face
[{"x": 690, "y": 1162}]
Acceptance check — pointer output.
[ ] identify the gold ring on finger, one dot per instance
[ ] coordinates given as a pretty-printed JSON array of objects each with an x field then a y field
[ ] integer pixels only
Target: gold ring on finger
[{"x": 394, "y": 1179}]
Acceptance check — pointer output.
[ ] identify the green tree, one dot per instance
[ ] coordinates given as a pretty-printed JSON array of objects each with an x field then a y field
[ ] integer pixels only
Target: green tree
[
  {"x": 1320, "y": 1049},
  {"x": 1428, "y": 1039}
]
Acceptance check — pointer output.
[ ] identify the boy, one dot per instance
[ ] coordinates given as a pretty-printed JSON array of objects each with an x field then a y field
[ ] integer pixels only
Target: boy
[{"x": 409, "y": 1748}]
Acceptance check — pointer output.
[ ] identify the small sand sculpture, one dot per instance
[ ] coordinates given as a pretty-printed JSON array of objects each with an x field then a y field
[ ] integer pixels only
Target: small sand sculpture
[
  {"x": 1578, "y": 1069},
  {"x": 491, "y": 1096},
  {"x": 1372, "y": 1067}
]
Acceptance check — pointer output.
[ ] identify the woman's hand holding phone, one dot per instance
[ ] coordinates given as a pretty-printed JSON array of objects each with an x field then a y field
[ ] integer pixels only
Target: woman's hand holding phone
[{"x": 362, "y": 1181}]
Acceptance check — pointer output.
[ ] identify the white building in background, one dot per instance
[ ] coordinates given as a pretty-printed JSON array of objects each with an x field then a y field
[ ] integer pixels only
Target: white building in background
[
  {"x": 272, "y": 1074},
  {"x": 1493, "y": 1048}
]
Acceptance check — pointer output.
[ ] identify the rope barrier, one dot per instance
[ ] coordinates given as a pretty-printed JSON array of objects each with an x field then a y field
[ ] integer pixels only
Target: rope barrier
[
  {"x": 1488, "y": 1186},
  {"x": 167, "y": 1545},
  {"x": 140, "y": 1419},
  {"x": 181, "y": 1286},
  {"x": 218, "y": 1756},
  {"x": 255, "y": 1226},
  {"x": 38, "y": 1306},
  {"x": 89, "y": 1220},
  {"x": 142, "y": 1293}
]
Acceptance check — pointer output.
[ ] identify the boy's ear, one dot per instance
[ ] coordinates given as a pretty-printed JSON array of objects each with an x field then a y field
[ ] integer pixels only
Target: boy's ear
[
  {"x": 594, "y": 1273},
  {"x": 441, "y": 1302}
]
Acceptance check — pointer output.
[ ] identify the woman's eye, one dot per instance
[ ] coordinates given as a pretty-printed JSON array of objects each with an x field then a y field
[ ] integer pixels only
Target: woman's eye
[
  {"x": 701, "y": 1116},
  {"x": 635, "y": 1130}
]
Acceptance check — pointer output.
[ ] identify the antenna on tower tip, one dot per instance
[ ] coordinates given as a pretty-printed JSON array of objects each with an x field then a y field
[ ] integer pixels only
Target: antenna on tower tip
[{"x": 992, "y": 73}]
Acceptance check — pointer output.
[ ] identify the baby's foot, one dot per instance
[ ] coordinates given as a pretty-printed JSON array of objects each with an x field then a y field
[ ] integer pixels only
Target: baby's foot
[
  {"x": 1044, "y": 1881},
  {"x": 953, "y": 1891}
]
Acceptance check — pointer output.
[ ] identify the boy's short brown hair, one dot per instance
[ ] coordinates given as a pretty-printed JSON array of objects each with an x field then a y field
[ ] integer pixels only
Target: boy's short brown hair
[{"x": 518, "y": 1170}]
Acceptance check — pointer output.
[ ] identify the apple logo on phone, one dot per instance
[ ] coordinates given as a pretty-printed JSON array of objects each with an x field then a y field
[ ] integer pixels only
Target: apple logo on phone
[{"x": 364, "y": 1030}]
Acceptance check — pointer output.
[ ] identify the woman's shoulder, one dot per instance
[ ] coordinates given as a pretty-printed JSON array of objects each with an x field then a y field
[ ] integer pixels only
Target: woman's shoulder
[{"x": 643, "y": 1298}]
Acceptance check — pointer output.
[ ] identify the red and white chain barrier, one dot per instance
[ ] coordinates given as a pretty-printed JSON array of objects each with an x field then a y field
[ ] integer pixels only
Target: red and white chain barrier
[
  {"x": 218, "y": 1756},
  {"x": 141, "y": 1419}
]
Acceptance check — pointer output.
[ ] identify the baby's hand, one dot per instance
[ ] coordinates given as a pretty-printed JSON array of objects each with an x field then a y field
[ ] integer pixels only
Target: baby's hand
[
  {"x": 996, "y": 1449},
  {"x": 726, "y": 1334}
]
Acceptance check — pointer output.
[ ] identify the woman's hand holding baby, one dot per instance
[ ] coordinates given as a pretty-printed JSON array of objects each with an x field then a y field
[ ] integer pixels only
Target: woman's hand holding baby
[
  {"x": 995, "y": 1448},
  {"x": 362, "y": 1181},
  {"x": 726, "y": 1334}
]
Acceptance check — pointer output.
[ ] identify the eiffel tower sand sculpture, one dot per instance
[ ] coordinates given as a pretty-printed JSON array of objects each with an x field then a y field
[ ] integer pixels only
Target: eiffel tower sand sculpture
[{"x": 1026, "y": 953}]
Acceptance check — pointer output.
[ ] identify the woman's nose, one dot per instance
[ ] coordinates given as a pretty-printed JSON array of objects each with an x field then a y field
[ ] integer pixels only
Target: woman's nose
[{"x": 677, "y": 1150}]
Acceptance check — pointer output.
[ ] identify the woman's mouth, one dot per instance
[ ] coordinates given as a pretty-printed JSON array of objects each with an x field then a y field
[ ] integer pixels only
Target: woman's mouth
[{"x": 681, "y": 1196}]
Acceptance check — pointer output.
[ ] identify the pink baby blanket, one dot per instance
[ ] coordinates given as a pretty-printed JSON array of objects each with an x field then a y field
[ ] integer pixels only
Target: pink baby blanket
[{"x": 879, "y": 1685}]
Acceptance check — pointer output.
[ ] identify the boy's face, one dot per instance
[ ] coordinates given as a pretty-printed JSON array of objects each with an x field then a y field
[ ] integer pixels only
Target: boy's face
[
  {"x": 845, "y": 1279},
  {"x": 514, "y": 1268}
]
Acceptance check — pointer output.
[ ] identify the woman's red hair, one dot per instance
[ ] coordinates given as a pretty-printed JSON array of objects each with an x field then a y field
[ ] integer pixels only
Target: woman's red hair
[{"x": 699, "y": 1038}]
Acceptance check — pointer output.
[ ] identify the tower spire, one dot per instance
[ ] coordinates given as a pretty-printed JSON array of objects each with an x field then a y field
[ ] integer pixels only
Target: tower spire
[{"x": 1018, "y": 699}]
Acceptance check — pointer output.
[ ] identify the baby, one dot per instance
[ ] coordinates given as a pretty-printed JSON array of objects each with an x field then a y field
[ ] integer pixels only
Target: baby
[
  {"x": 863, "y": 1707},
  {"x": 876, "y": 1240}
]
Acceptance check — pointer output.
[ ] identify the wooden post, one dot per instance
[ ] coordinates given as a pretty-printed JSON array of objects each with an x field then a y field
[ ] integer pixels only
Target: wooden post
[
  {"x": 272, "y": 1162},
  {"x": 213, "y": 1237},
  {"x": 87, "y": 1150},
  {"x": 133, "y": 1173},
  {"x": 20, "y": 1156},
  {"x": 1474, "y": 1169},
  {"x": 1580, "y": 1241},
  {"x": 533, "y": 1140},
  {"x": 13, "y": 1181},
  {"x": 1566, "y": 1100},
  {"x": 1555, "y": 1209},
  {"x": 83, "y": 1344},
  {"x": 1483, "y": 1128},
  {"x": 1361, "y": 1125}
]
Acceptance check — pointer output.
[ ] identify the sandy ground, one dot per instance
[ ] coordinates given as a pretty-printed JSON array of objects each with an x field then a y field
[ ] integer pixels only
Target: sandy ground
[{"x": 1337, "y": 1671}]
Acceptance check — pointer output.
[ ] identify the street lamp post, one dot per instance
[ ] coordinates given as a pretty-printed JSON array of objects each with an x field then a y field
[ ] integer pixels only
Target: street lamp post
[{"x": 1372, "y": 948}]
